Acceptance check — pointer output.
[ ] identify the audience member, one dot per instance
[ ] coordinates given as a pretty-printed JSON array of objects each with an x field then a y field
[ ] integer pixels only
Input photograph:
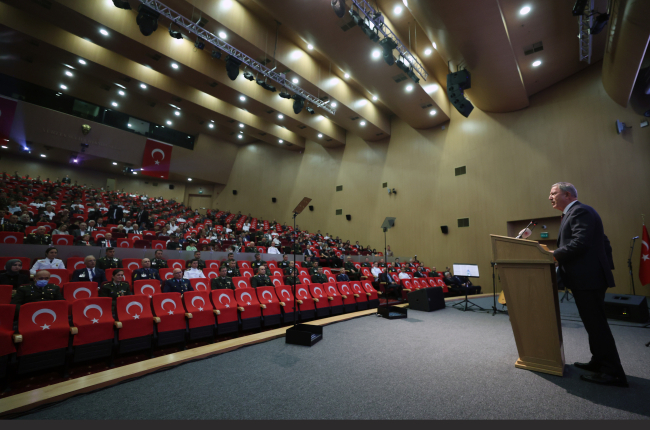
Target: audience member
[
  {"x": 38, "y": 291},
  {"x": 117, "y": 287},
  {"x": 90, "y": 273},
  {"x": 49, "y": 262},
  {"x": 109, "y": 261},
  {"x": 158, "y": 262},
  {"x": 222, "y": 281},
  {"x": 194, "y": 272},
  {"x": 146, "y": 271},
  {"x": 13, "y": 275},
  {"x": 177, "y": 284}
]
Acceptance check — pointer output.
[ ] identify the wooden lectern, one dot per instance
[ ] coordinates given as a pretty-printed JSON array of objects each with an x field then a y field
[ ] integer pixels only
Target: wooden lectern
[{"x": 527, "y": 275}]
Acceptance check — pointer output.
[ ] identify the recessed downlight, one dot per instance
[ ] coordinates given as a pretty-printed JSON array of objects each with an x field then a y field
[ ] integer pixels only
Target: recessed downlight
[
  {"x": 242, "y": 98},
  {"x": 280, "y": 141},
  {"x": 82, "y": 61},
  {"x": 320, "y": 135},
  {"x": 63, "y": 87},
  {"x": 114, "y": 104},
  {"x": 432, "y": 112},
  {"x": 174, "y": 66},
  {"x": 280, "y": 116},
  {"x": 537, "y": 63},
  {"x": 409, "y": 88},
  {"x": 169, "y": 123},
  {"x": 310, "y": 46},
  {"x": 211, "y": 125},
  {"x": 120, "y": 92},
  {"x": 143, "y": 86},
  {"x": 103, "y": 32},
  {"x": 362, "y": 123},
  {"x": 346, "y": 76},
  {"x": 69, "y": 73},
  {"x": 524, "y": 10}
]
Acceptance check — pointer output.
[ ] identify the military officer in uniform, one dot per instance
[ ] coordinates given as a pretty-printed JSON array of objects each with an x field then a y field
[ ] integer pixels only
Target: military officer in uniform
[
  {"x": 223, "y": 281},
  {"x": 146, "y": 272},
  {"x": 291, "y": 270},
  {"x": 231, "y": 257},
  {"x": 319, "y": 277},
  {"x": 158, "y": 262},
  {"x": 39, "y": 237},
  {"x": 109, "y": 261},
  {"x": 257, "y": 262},
  {"x": 251, "y": 248},
  {"x": 49, "y": 262},
  {"x": 177, "y": 284},
  {"x": 291, "y": 280},
  {"x": 232, "y": 269},
  {"x": 366, "y": 263},
  {"x": 197, "y": 257},
  {"x": 314, "y": 268},
  {"x": 353, "y": 272},
  {"x": 284, "y": 263},
  {"x": 38, "y": 291},
  {"x": 13, "y": 225},
  {"x": 116, "y": 288},
  {"x": 261, "y": 279},
  {"x": 308, "y": 264}
]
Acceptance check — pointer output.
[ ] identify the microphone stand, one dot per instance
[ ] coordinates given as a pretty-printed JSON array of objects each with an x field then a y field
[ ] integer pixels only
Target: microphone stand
[
  {"x": 629, "y": 263},
  {"x": 494, "y": 293}
]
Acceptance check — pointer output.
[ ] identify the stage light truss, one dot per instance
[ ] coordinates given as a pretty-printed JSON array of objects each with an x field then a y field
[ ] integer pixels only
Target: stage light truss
[
  {"x": 585, "y": 22},
  {"x": 370, "y": 13},
  {"x": 212, "y": 39}
]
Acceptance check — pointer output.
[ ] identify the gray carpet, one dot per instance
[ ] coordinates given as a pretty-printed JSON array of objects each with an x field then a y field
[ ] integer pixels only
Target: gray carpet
[{"x": 446, "y": 364}]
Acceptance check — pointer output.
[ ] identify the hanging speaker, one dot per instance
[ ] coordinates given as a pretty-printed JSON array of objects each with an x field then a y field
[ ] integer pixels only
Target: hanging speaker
[
  {"x": 444, "y": 229},
  {"x": 311, "y": 208},
  {"x": 348, "y": 217},
  {"x": 273, "y": 199},
  {"x": 234, "y": 192}
]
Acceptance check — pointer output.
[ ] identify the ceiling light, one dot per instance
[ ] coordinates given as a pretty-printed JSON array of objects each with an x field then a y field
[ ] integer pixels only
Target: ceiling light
[
  {"x": 248, "y": 75},
  {"x": 68, "y": 66},
  {"x": 122, "y": 4},
  {"x": 280, "y": 141},
  {"x": 241, "y": 136},
  {"x": 121, "y": 86},
  {"x": 310, "y": 46},
  {"x": 211, "y": 125},
  {"x": 43, "y": 155},
  {"x": 120, "y": 92},
  {"x": 298, "y": 103},
  {"x": 216, "y": 54},
  {"x": 524, "y": 10},
  {"x": 294, "y": 80},
  {"x": 63, "y": 87},
  {"x": 174, "y": 65},
  {"x": 397, "y": 10},
  {"x": 374, "y": 98},
  {"x": 406, "y": 3},
  {"x": 143, "y": 86},
  {"x": 242, "y": 98},
  {"x": 310, "y": 110},
  {"x": 241, "y": 125},
  {"x": 427, "y": 51},
  {"x": 232, "y": 67},
  {"x": 388, "y": 44},
  {"x": 189, "y": 179},
  {"x": 333, "y": 104},
  {"x": 177, "y": 113},
  {"x": 114, "y": 163},
  {"x": 280, "y": 116},
  {"x": 104, "y": 32},
  {"x": 223, "y": 35},
  {"x": 284, "y": 94},
  {"x": 320, "y": 135},
  {"x": 432, "y": 112},
  {"x": 346, "y": 76},
  {"x": 114, "y": 104},
  {"x": 5, "y": 147},
  {"x": 129, "y": 125},
  {"x": 135, "y": 173},
  {"x": 537, "y": 63},
  {"x": 82, "y": 61},
  {"x": 435, "y": 46},
  {"x": 362, "y": 123},
  {"x": 409, "y": 87},
  {"x": 175, "y": 33},
  {"x": 169, "y": 123},
  {"x": 376, "y": 53},
  {"x": 147, "y": 20},
  {"x": 68, "y": 73}
]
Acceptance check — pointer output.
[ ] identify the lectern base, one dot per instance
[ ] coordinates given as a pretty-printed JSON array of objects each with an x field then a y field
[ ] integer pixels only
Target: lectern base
[{"x": 536, "y": 367}]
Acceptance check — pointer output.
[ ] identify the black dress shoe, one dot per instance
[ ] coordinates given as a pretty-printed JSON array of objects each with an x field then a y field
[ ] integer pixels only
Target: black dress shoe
[
  {"x": 592, "y": 367},
  {"x": 605, "y": 379}
]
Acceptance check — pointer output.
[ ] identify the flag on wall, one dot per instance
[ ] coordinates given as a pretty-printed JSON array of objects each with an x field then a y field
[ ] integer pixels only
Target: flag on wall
[
  {"x": 7, "y": 111},
  {"x": 156, "y": 159},
  {"x": 644, "y": 267}
]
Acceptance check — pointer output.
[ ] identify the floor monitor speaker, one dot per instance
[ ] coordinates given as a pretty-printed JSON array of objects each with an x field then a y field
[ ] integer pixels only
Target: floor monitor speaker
[
  {"x": 626, "y": 307},
  {"x": 427, "y": 299}
]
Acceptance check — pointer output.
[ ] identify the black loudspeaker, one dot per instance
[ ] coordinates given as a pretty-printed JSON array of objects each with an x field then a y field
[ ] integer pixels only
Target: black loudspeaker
[
  {"x": 461, "y": 78},
  {"x": 427, "y": 299},
  {"x": 456, "y": 84},
  {"x": 348, "y": 217},
  {"x": 626, "y": 307},
  {"x": 171, "y": 186},
  {"x": 444, "y": 229},
  {"x": 273, "y": 199},
  {"x": 311, "y": 208},
  {"x": 234, "y": 192}
]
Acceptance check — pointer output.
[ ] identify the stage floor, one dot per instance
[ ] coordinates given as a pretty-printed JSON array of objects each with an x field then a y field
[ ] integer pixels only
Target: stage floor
[{"x": 446, "y": 364}]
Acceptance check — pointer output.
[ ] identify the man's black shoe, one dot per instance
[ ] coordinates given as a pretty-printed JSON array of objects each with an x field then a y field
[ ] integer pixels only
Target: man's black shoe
[
  {"x": 592, "y": 367},
  {"x": 605, "y": 379}
]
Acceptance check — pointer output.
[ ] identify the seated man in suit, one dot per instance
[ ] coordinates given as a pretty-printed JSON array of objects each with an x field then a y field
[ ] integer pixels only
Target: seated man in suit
[
  {"x": 388, "y": 286},
  {"x": 90, "y": 273},
  {"x": 177, "y": 284},
  {"x": 146, "y": 272},
  {"x": 319, "y": 277},
  {"x": 107, "y": 241},
  {"x": 223, "y": 281},
  {"x": 420, "y": 273},
  {"x": 343, "y": 277},
  {"x": 261, "y": 279},
  {"x": 458, "y": 286}
]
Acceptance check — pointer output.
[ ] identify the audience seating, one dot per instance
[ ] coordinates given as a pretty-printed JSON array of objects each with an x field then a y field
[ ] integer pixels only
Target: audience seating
[
  {"x": 247, "y": 273},
  {"x": 286, "y": 301},
  {"x": 165, "y": 274},
  {"x": 212, "y": 264},
  {"x": 74, "y": 263},
  {"x": 159, "y": 244},
  {"x": 276, "y": 272},
  {"x": 128, "y": 276},
  {"x": 271, "y": 312},
  {"x": 200, "y": 284},
  {"x": 304, "y": 279},
  {"x": 59, "y": 276},
  {"x": 203, "y": 323},
  {"x": 135, "y": 323},
  {"x": 93, "y": 319},
  {"x": 249, "y": 308},
  {"x": 7, "y": 346},
  {"x": 73, "y": 291},
  {"x": 241, "y": 282},
  {"x": 146, "y": 287},
  {"x": 132, "y": 264},
  {"x": 211, "y": 273},
  {"x": 306, "y": 303},
  {"x": 334, "y": 297},
  {"x": 176, "y": 264},
  {"x": 371, "y": 293},
  {"x": 322, "y": 305},
  {"x": 360, "y": 295},
  {"x": 349, "y": 303},
  {"x": 62, "y": 239},
  {"x": 5, "y": 294},
  {"x": 170, "y": 315},
  {"x": 225, "y": 309}
]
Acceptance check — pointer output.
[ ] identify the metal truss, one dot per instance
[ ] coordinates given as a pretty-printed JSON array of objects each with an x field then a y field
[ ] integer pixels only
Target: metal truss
[
  {"x": 585, "y": 22},
  {"x": 370, "y": 13},
  {"x": 194, "y": 28}
]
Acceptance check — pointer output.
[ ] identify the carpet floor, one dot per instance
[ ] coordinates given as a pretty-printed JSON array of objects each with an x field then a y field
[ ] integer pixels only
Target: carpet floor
[{"x": 446, "y": 364}]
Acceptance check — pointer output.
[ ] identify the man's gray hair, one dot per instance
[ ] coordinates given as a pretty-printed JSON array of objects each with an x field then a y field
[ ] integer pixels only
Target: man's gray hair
[{"x": 567, "y": 187}]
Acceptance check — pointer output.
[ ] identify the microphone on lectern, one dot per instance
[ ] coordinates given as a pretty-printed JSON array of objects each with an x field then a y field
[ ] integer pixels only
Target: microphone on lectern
[{"x": 521, "y": 233}]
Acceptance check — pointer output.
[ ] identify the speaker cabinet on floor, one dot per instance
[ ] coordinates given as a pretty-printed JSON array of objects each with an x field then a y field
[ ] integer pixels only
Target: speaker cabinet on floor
[
  {"x": 427, "y": 299},
  {"x": 626, "y": 307}
]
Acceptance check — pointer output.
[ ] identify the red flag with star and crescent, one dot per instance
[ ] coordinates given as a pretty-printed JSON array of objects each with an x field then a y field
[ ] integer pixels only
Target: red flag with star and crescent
[
  {"x": 644, "y": 267},
  {"x": 156, "y": 159}
]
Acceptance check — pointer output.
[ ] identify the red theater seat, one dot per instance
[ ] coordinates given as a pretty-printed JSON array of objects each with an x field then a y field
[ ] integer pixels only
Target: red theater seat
[
  {"x": 349, "y": 303},
  {"x": 203, "y": 323},
  {"x": 5, "y": 294},
  {"x": 283, "y": 292},
  {"x": 366, "y": 273},
  {"x": 200, "y": 284},
  {"x": 73, "y": 291},
  {"x": 63, "y": 239},
  {"x": 146, "y": 287},
  {"x": 11, "y": 237},
  {"x": 241, "y": 282},
  {"x": 438, "y": 282},
  {"x": 132, "y": 264},
  {"x": 133, "y": 237},
  {"x": 166, "y": 274},
  {"x": 124, "y": 243},
  {"x": 246, "y": 273},
  {"x": 176, "y": 264},
  {"x": 359, "y": 295},
  {"x": 97, "y": 235},
  {"x": 170, "y": 318},
  {"x": 159, "y": 244},
  {"x": 7, "y": 346},
  {"x": 322, "y": 305},
  {"x": 334, "y": 297},
  {"x": 249, "y": 308},
  {"x": 59, "y": 276},
  {"x": 225, "y": 308},
  {"x": 244, "y": 265},
  {"x": 277, "y": 280},
  {"x": 211, "y": 272},
  {"x": 272, "y": 264},
  {"x": 306, "y": 303},
  {"x": 371, "y": 293},
  {"x": 212, "y": 264},
  {"x": 277, "y": 273},
  {"x": 135, "y": 323},
  {"x": 94, "y": 321},
  {"x": 271, "y": 310}
]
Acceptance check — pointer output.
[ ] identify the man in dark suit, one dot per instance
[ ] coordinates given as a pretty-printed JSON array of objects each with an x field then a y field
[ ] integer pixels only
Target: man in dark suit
[
  {"x": 585, "y": 266},
  {"x": 90, "y": 273},
  {"x": 142, "y": 218},
  {"x": 115, "y": 214}
]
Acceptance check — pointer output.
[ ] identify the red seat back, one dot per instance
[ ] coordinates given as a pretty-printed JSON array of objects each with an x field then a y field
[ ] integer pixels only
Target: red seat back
[
  {"x": 224, "y": 301},
  {"x": 94, "y": 320},
  {"x": 304, "y": 279},
  {"x": 198, "y": 304},
  {"x": 63, "y": 239},
  {"x": 247, "y": 273},
  {"x": 124, "y": 243},
  {"x": 346, "y": 290},
  {"x": 176, "y": 264},
  {"x": 7, "y": 313},
  {"x": 200, "y": 284},
  {"x": 127, "y": 275},
  {"x": 365, "y": 271},
  {"x": 367, "y": 285},
  {"x": 73, "y": 291},
  {"x": 284, "y": 293},
  {"x": 272, "y": 264},
  {"x": 158, "y": 244},
  {"x": 59, "y": 276},
  {"x": 211, "y": 273},
  {"x": 169, "y": 308},
  {"x": 241, "y": 282},
  {"x": 97, "y": 235},
  {"x": 358, "y": 290},
  {"x": 166, "y": 274},
  {"x": 146, "y": 287},
  {"x": 5, "y": 294},
  {"x": 277, "y": 280},
  {"x": 135, "y": 314},
  {"x": 212, "y": 264},
  {"x": 44, "y": 326},
  {"x": 134, "y": 236},
  {"x": 11, "y": 237},
  {"x": 244, "y": 265},
  {"x": 132, "y": 264},
  {"x": 74, "y": 263},
  {"x": 277, "y": 272},
  {"x": 247, "y": 299},
  {"x": 331, "y": 291}
]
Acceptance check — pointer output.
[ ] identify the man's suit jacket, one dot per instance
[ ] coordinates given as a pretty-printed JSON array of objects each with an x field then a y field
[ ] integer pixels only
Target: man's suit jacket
[
  {"x": 81, "y": 275},
  {"x": 584, "y": 253},
  {"x": 142, "y": 218},
  {"x": 115, "y": 212},
  {"x": 342, "y": 278}
]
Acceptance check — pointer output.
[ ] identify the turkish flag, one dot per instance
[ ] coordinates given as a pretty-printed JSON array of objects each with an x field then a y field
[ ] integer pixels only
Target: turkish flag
[
  {"x": 644, "y": 267},
  {"x": 156, "y": 159}
]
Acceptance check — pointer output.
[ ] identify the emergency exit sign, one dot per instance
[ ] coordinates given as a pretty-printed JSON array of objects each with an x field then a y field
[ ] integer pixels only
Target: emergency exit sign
[{"x": 544, "y": 235}]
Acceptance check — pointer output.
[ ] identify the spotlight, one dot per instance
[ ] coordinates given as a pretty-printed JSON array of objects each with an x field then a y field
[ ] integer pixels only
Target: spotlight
[
  {"x": 298, "y": 103},
  {"x": 599, "y": 24},
  {"x": 174, "y": 33},
  {"x": 310, "y": 110},
  {"x": 216, "y": 54},
  {"x": 370, "y": 31},
  {"x": 232, "y": 66},
  {"x": 388, "y": 45},
  {"x": 356, "y": 17},
  {"x": 147, "y": 20},
  {"x": 266, "y": 86},
  {"x": 122, "y": 4},
  {"x": 248, "y": 75},
  {"x": 199, "y": 44},
  {"x": 579, "y": 7},
  {"x": 285, "y": 95},
  {"x": 339, "y": 7}
]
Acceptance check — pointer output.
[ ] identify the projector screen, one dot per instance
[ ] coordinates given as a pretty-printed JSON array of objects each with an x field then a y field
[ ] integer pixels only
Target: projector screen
[{"x": 469, "y": 270}]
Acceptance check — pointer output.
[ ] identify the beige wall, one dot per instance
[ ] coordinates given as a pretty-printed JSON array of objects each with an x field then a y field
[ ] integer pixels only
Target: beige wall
[{"x": 566, "y": 134}]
